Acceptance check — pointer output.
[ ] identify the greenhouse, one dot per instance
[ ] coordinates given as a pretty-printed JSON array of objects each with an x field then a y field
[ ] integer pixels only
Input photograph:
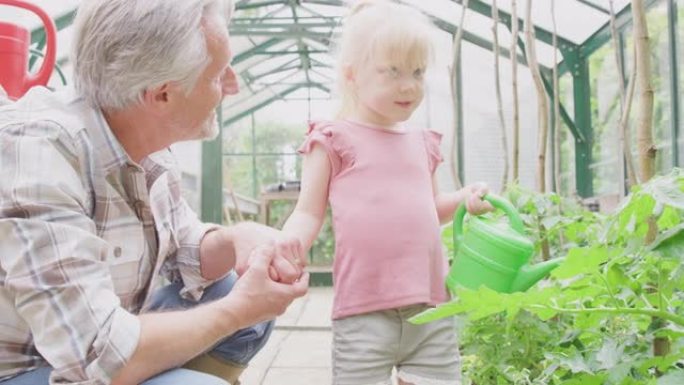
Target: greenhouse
[{"x": 554, "y": 140}]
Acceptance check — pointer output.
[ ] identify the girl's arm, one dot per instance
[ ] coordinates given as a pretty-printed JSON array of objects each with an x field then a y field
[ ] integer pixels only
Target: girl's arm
[
  {"x": 307, "y": 218},
  {"x": 447, "y": 203}
]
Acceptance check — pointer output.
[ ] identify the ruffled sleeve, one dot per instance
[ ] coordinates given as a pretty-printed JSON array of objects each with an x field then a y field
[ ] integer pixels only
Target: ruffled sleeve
[
  {"x": 432, "y": 141},
  {"x": 321, "y": 133}
]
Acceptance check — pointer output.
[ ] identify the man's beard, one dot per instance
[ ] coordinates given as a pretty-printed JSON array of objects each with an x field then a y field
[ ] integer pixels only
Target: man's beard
[{"x": 210, "y": 129}]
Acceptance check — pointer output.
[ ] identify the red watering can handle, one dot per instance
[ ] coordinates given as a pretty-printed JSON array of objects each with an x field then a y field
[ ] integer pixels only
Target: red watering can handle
[
  {"x": 43, "y": 75},
  {"x": 497, "y": 202}
]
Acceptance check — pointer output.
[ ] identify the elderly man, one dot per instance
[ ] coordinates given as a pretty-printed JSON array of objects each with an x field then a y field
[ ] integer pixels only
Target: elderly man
[{"x": 92, "y": 222}]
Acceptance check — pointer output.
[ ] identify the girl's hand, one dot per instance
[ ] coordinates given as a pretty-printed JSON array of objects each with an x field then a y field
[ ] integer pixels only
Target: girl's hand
[
  {"x": 289, "y": 261},
  {"x": 473, "y": 198}
]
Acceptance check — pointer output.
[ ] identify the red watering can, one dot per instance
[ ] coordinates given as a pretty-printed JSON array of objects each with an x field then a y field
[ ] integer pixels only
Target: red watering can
[{"x": 14, "y": 51}]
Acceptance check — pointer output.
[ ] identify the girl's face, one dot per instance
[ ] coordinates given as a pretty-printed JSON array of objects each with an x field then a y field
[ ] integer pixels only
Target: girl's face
[{"x": 386, "y": 92}]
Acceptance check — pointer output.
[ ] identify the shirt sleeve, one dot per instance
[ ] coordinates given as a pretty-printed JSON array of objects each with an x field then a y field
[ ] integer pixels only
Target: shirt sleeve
[
  {"x": 190, "y": 233},
  {"x": 432, "y": 141},
  {"x": 54, "y": 263},
  {"x": 321, "y": 133}
]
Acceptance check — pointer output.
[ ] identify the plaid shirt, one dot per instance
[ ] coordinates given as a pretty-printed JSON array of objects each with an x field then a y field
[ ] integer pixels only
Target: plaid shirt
[{"x": 85, "y": 234}]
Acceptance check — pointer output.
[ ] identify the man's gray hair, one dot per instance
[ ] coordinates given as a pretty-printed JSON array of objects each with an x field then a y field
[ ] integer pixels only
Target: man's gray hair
[{"x": 122, "y": 47}]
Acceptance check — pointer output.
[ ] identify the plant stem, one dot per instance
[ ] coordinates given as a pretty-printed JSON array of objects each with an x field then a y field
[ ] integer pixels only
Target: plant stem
[{"x": 679, "y": 320}]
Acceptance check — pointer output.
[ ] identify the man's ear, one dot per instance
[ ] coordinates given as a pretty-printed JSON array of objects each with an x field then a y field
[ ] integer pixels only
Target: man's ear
[{"x": 160, "y": 98}]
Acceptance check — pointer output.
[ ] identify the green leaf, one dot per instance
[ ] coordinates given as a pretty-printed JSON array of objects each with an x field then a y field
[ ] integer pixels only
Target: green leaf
[
  {"x": 476, "y": 303},
  {"x": 672, "y": 378},
  {"x": 616, "y": 277},
  {"x": 669, "y": 218},
  {"x": 576, "y": 364},
  {"x": 441, "y": 311},
  {"x": 581, "y": 261},
  {"x": 586, "y": 379},
  {"x": 666, "y": 190},
  {"x": 609, "y": 354},
  {"x": 671, "y": 242}
]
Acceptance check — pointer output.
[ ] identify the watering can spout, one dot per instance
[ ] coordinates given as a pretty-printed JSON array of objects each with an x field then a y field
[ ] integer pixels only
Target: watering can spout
[{"x": 528, "y": 275}]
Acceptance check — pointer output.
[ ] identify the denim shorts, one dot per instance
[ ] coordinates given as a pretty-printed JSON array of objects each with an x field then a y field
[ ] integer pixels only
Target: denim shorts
[{"x": 368, "y": 346}]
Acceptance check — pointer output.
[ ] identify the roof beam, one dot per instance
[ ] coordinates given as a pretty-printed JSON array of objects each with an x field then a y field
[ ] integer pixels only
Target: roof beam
[
  {"x": 239, "y": 58},
  {"x": 246, "y": 4},
  {"x": 594, "y": 5},
  {"x": 274, "y": 98},
  {"x": 338, "y": 3},
  {"x": 315, "y": 28},
  {"x": 303, "y": 49},
  {"x": 475, "y": 39}
]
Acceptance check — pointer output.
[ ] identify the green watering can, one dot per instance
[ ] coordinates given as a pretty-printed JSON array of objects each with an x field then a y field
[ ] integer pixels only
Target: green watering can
[
  {"x": 494, "y": 254},
  {"x": 490, "y": 253}
]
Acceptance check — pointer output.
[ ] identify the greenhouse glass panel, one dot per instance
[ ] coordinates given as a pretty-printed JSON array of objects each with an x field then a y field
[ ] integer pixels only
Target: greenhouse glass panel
[
  {"x": 661, "y": 77},
  {"x": 251, "y": 174},
  {"x": 567, "y": 144},
  {"x": 237, "y": 137},
  {"x": 483, "y": 149},
  {"x": 606, "y": 110}
]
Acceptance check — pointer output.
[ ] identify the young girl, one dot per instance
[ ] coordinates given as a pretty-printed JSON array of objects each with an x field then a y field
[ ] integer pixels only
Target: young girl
[{"x": 378, "y": 176}]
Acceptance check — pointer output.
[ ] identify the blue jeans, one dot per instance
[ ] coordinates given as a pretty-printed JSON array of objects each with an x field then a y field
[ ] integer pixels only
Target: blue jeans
[{"x": 237, "y": 349}]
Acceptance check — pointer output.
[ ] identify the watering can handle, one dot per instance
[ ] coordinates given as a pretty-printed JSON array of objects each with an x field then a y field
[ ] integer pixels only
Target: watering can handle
[
  {"x": 498, "y": 203},
  {"x": 43, "y": 75}
]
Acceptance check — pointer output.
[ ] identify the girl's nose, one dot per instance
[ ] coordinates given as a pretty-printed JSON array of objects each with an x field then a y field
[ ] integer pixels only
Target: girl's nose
[
  {"x": 408, "y": 85},
  {"x": 230, "y": 83}
]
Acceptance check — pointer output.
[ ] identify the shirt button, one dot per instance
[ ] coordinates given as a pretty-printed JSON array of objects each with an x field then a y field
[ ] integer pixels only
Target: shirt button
[{"x": 117, "y": 252}]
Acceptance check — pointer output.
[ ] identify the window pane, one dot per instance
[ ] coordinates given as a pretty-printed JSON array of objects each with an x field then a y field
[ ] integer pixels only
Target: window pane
[
  {"x": 605, "y": 115},
  {"x": 661, "y": 78}
]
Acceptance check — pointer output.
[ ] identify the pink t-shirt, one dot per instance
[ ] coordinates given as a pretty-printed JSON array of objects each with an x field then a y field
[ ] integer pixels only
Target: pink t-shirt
[{"x": 388, "y": 251}]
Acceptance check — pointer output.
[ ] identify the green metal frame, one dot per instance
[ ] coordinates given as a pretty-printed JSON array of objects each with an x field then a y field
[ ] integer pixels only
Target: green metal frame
[
  {"x": 674, "y": 81},
  {"x": 212, "y": 171}
]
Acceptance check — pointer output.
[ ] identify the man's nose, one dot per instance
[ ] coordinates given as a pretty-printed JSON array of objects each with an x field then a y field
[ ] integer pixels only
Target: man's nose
[{"x": 230, "y": 82}]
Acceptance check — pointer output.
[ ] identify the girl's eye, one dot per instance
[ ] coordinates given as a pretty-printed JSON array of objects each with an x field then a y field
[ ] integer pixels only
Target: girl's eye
[
  {"x": 418, "y": 74},
  {"x": 391, "y": 72}
]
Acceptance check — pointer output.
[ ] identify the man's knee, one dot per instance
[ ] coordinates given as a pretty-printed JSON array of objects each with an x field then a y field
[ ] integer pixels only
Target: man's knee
[{"x": 242, "y": 346}]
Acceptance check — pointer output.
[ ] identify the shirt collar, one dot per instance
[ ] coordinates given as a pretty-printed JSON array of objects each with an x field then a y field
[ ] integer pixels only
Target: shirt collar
[{"x": 113, "y": 157}]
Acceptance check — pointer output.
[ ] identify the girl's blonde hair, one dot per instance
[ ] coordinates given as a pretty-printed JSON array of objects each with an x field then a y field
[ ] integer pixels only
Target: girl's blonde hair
[{"x": 380, "y": 30}]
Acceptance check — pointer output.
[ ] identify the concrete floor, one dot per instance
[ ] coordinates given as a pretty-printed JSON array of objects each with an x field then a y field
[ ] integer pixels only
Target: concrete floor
[{"x": 299, "y": 350}]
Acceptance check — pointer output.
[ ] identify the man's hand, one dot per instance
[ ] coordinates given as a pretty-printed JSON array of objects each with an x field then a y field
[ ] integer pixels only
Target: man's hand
[
  {"x": 289, "y": 258},
  {"x": 255, "y": 296},
  {"x": 473, "y": 198}
]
